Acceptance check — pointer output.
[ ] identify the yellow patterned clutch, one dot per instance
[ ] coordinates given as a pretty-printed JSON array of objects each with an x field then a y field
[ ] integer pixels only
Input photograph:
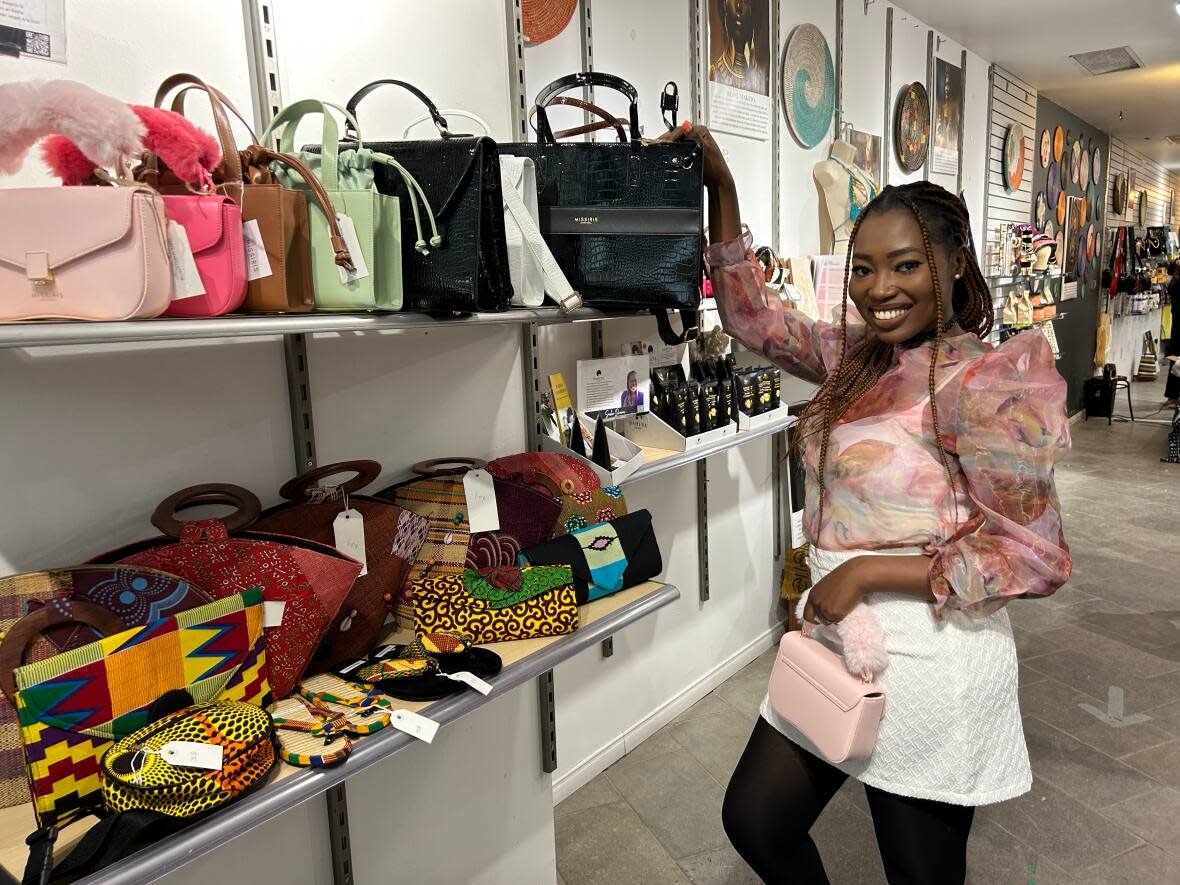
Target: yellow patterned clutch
[
  {"x": 796, "y": 574},
  {"x": 499, "y": 604}
]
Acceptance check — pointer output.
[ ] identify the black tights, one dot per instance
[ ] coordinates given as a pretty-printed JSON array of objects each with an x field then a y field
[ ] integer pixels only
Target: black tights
[{"x": 778, "y": 791}]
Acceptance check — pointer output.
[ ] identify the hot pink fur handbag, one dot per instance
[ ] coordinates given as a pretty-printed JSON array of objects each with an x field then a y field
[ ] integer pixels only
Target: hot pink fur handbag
[
  {"x": 813, "y": 688},
  {"x": 79, "y": 253},
  {"x": 212, "y": 221}
]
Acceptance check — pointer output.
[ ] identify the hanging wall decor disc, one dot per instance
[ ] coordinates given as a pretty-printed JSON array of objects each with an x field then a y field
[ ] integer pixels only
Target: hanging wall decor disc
[
  {"x": 1119, "y": 194},
  {"x": 1084, "y": 170},
  {"x": 1063, "y": 169},
  {"x": 808, "y": 85},
  {"x": 1042, "y": 210},
  {"x": 1014, "y": 157},
  {"x": 542, "y": 20},
  {"x": 1050, "y": 228},
  {"x": 1075, "y": 162},
  {"x": 1142, "y": 208},
  {"x": 911, "y": 126},
  {"x": 1052, "y": 186},
  {"x": 1096, "y": 166},
  {"x": 1062, "y": 205},
  {"x": 1046, "y": 148},
  {"x": 1091, "y": 242},
  {"x": 1058, "y": 144}
]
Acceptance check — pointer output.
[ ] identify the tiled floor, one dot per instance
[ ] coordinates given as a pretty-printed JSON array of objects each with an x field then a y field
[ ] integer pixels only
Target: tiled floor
[{"x": 1105, "y": 807}]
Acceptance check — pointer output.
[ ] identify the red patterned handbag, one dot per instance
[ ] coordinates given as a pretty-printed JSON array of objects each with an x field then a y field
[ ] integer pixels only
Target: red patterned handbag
[
  {"x": 309, "y": 581},
  {"x": 584, "y": 500},
  {"x": 392, "y": 538}
]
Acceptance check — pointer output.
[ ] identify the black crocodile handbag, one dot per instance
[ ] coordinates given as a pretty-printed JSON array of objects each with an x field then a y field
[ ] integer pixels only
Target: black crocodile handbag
[
  {"x": 623, "y": 220},
  {"x": 460, "y": 178}
]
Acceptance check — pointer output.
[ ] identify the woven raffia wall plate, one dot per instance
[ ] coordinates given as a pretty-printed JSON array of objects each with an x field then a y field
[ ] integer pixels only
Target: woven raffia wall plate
[
  {"x": 1046, "y": 148},
  {"x": 543, "y": 20},
  {"x": 808, "y": 85},
  {"x": 1014, "y": 157},
  {"x": 911, "y": 126}
]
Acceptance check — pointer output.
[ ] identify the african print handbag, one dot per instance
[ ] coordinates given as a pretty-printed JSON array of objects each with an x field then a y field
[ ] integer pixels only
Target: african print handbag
[
  {"x": 74, "y": 706},
  {"x": 584, "y": 500},
  {"x": 392, "y": 538},
  {"x": 497, "y": 605},
  {"x": 604, "y": 558}
]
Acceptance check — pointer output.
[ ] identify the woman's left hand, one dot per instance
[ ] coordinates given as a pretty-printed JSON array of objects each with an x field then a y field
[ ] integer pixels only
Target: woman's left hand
[{"x": 836, "y": 594}]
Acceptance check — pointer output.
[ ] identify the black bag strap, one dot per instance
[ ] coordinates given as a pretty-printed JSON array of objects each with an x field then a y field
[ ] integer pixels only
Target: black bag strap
[
  {"x": 105, "y": 842},
  {"x": 689, "y": 319},
  {"x": 439, "y": 120},
  {"x": 577, "y": 81}
]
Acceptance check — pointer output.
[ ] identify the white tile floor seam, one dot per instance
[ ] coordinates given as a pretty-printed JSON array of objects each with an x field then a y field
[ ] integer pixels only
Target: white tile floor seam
[{"x": 1105, "y": 806}]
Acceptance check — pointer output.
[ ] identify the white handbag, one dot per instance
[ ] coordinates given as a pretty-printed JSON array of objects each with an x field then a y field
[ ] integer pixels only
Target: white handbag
[{"x": 531, "y": 266}]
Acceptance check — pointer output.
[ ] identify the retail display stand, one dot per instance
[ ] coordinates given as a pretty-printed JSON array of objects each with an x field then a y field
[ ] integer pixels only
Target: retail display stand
[{"x": 650, "y": 430}]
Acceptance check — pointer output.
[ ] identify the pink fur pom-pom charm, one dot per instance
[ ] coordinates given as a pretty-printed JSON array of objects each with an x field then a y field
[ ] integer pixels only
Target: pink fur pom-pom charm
[{"x": 862, "y": 640}]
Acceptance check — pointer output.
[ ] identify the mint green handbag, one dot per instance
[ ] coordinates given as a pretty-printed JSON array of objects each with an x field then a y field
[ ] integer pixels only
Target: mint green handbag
[{"x": 347, "y": 176}]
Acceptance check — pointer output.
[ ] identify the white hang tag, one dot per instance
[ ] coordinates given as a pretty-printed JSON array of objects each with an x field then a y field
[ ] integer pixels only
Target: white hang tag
[
  {"x": 481, "y": 501},
  {"x": 272, "y": 613},
  {"x": 257, "y": 264},
  {"x": 414, "y": 725},
  {"x": 385, "y": 651},
  {"x": 349, "y": 529},
  {"x": 348, "y": 232},
  {"x": 471, "y": 680},
  {"x": 353, "y": 665},
  {"x": 186, "y": 281},
  {"x": 189, "y": 754},
  {"x": 798, "y": 539}
]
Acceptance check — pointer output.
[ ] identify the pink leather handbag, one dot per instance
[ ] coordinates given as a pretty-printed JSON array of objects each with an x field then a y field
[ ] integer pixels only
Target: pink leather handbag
[
  {"x": 78, "y": 253},
  {"x": 214, "y": 226},
  {"x": 811, "y": 688}
]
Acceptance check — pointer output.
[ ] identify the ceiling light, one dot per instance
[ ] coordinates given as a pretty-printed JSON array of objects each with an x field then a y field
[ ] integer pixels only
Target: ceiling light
[{"x": 1178, "y": 9}]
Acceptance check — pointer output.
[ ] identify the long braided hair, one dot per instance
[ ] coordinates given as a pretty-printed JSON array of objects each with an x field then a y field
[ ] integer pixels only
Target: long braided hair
[{"x": 943, "y": 219}]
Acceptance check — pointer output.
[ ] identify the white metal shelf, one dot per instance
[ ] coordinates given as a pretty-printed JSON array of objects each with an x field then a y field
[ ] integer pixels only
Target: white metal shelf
[
  {"x": 171, "y": 853},
  {"x": 50, "y": 333},
  {"x": 680, "y": 459}
]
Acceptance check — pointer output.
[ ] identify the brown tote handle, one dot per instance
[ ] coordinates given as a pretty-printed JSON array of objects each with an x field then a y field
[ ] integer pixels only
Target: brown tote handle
[
  {"x": 299, "y": 488},
  {"x": 248, "y": 507},
  {"x": 21, "y": 633},
  {"x": 178, "y": 106},
  {"x": 231, "y": 163},
  {"x": 447, "y": 466},
  {"x": 258, "y": 156},
  {"x": 608, "y": 120}
]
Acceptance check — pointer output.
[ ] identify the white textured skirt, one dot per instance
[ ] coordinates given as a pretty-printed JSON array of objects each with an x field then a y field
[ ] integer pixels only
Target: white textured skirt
[{"x": 952, "y": 730}]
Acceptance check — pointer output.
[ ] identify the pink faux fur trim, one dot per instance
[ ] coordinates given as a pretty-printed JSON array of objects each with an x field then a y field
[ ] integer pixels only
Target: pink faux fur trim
[
  {"x": 186, "y": 149},
  {"x": 861, "y": 637},
  {"x": 103, "y": 128},
  {"x": 65, "y": 160}
]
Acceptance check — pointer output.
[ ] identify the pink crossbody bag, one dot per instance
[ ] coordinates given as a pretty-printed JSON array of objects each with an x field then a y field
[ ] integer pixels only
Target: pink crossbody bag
[{"x": 811, "y": 688}]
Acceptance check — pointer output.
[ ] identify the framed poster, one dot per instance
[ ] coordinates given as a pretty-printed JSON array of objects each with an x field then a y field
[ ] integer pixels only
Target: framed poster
[
  {"x": 739, "y": 67},
  {"x": 868, "y": 153},
  {"x": 948, "y": 116}
]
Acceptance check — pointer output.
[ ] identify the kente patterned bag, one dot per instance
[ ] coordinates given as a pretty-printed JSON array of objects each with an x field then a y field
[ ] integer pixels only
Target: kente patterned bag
[
  {"x": 497, "y": 605},
  {"x": 74, "y": 706}
]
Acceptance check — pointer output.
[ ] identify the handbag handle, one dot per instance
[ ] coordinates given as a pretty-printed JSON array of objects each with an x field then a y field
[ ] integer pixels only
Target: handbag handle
[
  {"x": 440, "y": 121},
  {"x": 178, "y": 106},
  {"x": 534, "y": 478},
  {"x": 288, "y": 120},
  {"x": 448, "y": 466},
  {"x": 578, "y": 80},
  {"x": 450, "y": 112},
  {"x": 231, "y": 164},
  {"x": 607, "y": 120},
  {"x": 300, "y": 488},
  {"x": 249, "y": 508},
  {"x": 58, "y": 610},
  {"x": 256, "y": 156}
]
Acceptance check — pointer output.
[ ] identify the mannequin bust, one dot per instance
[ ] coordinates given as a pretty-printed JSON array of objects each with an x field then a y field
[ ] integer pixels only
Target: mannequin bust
[{"x": 843, "y": 191}]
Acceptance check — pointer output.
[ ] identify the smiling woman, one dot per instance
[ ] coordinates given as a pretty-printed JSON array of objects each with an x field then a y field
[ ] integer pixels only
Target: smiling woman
[{"x": 930, "y": 504}]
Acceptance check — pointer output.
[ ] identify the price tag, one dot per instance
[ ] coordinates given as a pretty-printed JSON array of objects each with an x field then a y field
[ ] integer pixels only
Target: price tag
[
  {"x": 189, "y": 754},
  {"x": 348, "y": 232},
  {"x": 186, "y": 282},
  {"x": 481, "y": 501},
  {"x": 414, "y": 725},
  {"x": 272, "y": 613},
  {"x": 257, "y": 264},
  {"x": 471, "y": 680},
  {"x": 798, "y": 539},
  {"x": 349, "y": 529}
]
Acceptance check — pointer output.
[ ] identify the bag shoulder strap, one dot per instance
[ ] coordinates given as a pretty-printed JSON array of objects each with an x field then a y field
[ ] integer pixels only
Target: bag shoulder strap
[{"x": 556, "y": 284}]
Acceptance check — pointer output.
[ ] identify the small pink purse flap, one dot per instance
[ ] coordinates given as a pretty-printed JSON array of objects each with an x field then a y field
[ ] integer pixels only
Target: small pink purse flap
[
  {"x": 824, "y": 669},
  {"x": 66, "y": 223},
  {"x": 201, "y": 216}
]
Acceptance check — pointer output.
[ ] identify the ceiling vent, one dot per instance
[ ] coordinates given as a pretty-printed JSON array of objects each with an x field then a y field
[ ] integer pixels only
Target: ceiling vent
[{"x": 1108, "y": 61}]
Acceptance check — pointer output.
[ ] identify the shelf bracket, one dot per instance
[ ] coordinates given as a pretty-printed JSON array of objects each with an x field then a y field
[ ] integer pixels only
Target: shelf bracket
[
  {"x": 338, "y": 833},
  {"x": 777, "y": 454},
  {"x": 299, "y": 394},
  {"x": 703, "y": 528},
  {"x": 534, "y": 425},
  {"x": 548, "y": 722}
]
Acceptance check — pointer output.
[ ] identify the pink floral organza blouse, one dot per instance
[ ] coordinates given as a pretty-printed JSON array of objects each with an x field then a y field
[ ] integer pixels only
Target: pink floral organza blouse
[{"x": 996, "y": 535}]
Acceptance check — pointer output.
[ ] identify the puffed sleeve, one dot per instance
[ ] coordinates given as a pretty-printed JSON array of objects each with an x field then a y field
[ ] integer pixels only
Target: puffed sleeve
[
  {"x": 795, "y": 343},
  {"x": 1010, "y": 427}
]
